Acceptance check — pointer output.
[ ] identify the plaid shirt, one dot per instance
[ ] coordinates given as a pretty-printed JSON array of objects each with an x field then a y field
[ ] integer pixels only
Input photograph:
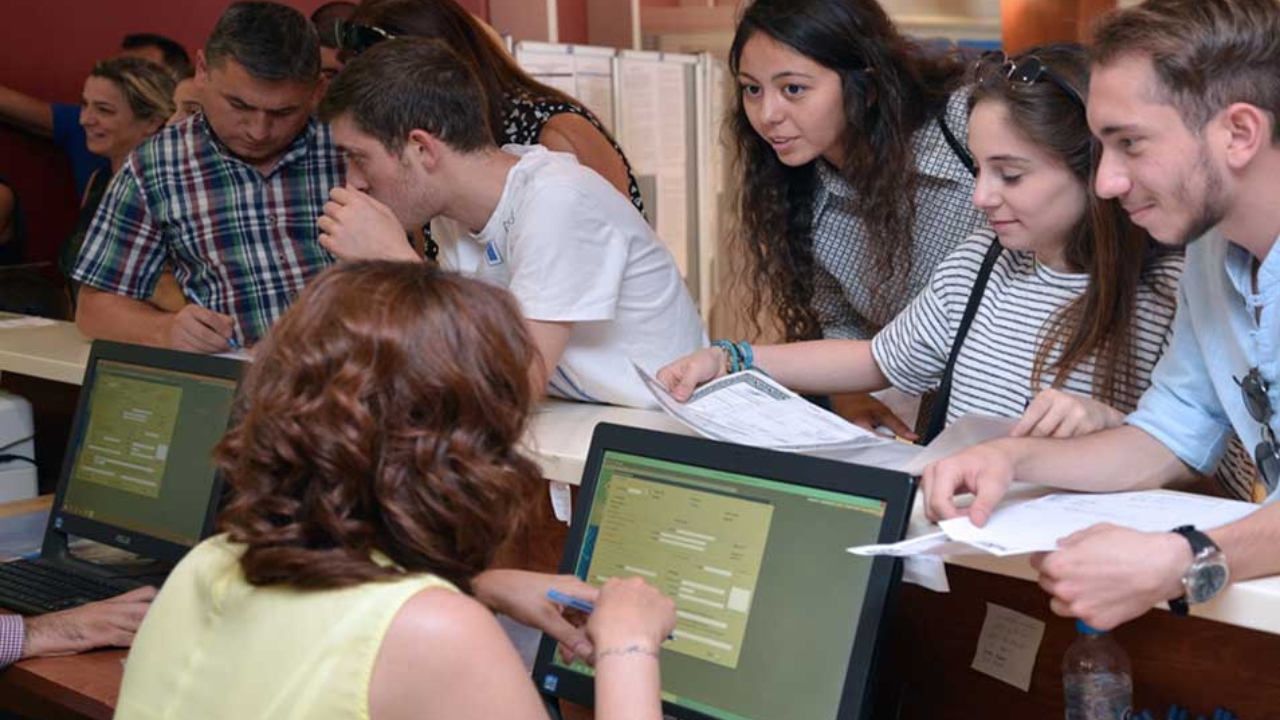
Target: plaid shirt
[
  {"x": 945, "y": 215},
  {"x": 239, "y": 243},
  {"x": 12, "y": 635}
]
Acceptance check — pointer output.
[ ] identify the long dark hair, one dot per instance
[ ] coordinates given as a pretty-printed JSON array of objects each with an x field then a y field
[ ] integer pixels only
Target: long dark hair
[
  {"x": 1114, "y": 252},
  {"x": 383, "y": 412},
  {"x": 891, "y": 88},
  {"x": 448, "y": 22}
]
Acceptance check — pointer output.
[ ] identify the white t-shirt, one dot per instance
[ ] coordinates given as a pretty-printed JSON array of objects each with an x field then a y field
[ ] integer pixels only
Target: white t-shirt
[{"x": 571, "y": 248}]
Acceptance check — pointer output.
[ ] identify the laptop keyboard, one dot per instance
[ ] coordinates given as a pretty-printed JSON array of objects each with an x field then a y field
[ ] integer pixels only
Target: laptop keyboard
[{"x": 36, "y": 586}]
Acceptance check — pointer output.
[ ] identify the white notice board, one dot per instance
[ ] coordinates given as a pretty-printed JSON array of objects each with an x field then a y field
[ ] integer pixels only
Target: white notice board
[
  {"x": 581, "y": 71},
  {"x": 657, "y": 128}
]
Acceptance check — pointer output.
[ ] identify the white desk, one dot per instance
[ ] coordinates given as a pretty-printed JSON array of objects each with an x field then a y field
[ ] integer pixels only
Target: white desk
[
  {"x": 53, "y": 352},
  {"x": 560, "y": 435}
]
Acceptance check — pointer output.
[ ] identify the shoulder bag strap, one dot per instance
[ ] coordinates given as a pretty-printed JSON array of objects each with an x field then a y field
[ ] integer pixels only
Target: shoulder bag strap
[
  {"x": 942, "y": 398},
  {"x": 962, "y": 153}
]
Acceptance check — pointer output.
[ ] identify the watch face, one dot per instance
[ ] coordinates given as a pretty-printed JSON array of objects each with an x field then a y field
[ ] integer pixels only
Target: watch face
[{"x": 1206, "y": 580}]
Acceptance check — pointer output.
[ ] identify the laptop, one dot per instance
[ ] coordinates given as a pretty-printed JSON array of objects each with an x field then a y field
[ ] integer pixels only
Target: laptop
[
  {"x": 137, "y": 476},
  {"x": 774, "y": 618}
]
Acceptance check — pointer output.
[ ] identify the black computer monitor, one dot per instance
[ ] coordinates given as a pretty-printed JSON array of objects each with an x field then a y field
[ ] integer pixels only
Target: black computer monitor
[
  {"x": 775, "y": 618},
  {"x": 138, "y": 472}
]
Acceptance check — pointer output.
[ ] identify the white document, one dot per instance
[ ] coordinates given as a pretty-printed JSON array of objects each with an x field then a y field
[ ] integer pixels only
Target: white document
[
  {"x": 25, "y": 322},
  {"x": 1038, "y": 525},
  {"x": 750, "y": 408},
  {"x": 1007, "y": 646},
  {"x": 927, "y": 571},
  {"x": 965, "y": 432},
  {"x": 932, "y": 544}
]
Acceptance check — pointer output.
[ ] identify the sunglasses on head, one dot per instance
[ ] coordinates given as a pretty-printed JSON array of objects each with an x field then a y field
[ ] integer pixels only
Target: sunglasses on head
[
  {"x": 354, "y": 38},
  {"x": 1266, "y": 456},
  {"x": 1026, "y": 70}
]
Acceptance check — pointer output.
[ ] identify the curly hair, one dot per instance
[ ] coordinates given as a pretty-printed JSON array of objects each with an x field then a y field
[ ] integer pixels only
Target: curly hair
[
  {"x": 1098, "y": 326},
  {"x": 891, "y": 88},
  {"x": 381, "y": 414}
]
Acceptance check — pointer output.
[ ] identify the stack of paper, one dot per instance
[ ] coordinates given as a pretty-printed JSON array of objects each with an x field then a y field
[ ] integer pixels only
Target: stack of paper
[
  {"x": 1037, "y": 525},
  {"x": 750, "y": 408}
]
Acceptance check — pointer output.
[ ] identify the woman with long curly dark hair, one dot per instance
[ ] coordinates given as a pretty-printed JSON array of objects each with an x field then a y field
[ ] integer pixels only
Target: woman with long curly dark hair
[
  {"x": 374, "y": 470},
  {"x": 1079, "y": 302},
  {"x": 851, "y": 161}
]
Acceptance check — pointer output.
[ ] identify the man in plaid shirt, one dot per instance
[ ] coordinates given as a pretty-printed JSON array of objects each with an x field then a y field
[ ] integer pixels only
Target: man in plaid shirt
[{"x": 227, "y": 199}]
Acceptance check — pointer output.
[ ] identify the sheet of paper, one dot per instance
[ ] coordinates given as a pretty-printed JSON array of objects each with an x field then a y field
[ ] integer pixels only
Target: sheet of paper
[
  {"x": 965, "y": 432},
  {"x": 937, "y": 544},
  {"x": 1037, "y": 525},
  {"x": 25, "y": 322},
  {"x": 594, "y": 75},
  {"x": 750, "y": 408},
  {"x": 561, "y": 501},
  {"x": 927, "y": 571},
  {"x": 1007, "y": 646}
]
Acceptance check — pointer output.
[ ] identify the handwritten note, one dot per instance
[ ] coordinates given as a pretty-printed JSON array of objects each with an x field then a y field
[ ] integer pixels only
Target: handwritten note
[{"x": 1007, "y": 646}]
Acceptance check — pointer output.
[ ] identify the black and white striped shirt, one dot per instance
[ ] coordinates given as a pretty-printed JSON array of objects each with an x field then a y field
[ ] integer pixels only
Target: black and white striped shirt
[{"x": 993, "y": 371}]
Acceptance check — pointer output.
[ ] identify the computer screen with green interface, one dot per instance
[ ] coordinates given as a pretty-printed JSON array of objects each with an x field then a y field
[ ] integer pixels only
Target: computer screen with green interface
[
  {"x": 768, "y": 601},
  {"x": 141, "y": 459}
]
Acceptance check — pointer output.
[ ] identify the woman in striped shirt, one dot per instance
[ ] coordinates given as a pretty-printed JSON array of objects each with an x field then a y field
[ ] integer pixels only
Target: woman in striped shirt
[{"x": 1078, "y": 303}]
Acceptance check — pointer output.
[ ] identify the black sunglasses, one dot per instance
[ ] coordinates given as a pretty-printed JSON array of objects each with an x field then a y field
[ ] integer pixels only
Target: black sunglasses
[
  {"x": 354, "y": 38},
  {"x": 1026, "y": 70},
  {"x": 1254, "y": 387}
]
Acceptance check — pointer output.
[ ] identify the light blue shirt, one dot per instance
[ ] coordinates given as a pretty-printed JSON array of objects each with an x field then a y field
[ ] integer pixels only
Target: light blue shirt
[{"x": 1221, "y": 330}]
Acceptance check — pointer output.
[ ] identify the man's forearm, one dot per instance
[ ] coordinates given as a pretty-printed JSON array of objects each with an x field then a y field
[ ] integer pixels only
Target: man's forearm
[
  {"x": 1250, "y": 544},
  {"x": 1115, "y": 460},
  {"x": 107, "y": 316}
]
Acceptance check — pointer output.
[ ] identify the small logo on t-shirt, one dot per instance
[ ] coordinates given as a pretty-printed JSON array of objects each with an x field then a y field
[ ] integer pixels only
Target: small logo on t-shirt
[{"x": 491, "y": 254}]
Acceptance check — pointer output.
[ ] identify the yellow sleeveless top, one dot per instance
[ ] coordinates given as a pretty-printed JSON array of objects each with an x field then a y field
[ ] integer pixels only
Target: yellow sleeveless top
[{"x": 214, "y": 646}]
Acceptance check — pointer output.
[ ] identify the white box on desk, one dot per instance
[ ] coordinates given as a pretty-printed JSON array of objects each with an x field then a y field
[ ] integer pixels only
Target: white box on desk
[{"x": 17, "y": 437}]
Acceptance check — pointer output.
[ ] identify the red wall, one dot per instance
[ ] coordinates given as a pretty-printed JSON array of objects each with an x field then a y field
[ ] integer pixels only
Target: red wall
[{"x": 46, "y": 49}]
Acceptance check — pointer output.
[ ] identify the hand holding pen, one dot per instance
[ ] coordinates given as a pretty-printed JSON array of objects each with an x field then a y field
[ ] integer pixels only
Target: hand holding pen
[
  {"x": 196, "y": 328},
  {"x": 629, "y": 613}
]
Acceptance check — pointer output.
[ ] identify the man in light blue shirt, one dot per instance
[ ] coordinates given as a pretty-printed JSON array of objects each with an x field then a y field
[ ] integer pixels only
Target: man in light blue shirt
[{"x": 1185, "y": 99}]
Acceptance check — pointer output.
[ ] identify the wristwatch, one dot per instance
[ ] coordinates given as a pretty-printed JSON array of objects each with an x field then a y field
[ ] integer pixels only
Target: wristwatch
[{"x": 1206, "y": 576}]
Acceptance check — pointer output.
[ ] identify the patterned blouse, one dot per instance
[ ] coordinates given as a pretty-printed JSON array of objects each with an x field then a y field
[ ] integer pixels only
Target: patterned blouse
[{"x": 528, "y": 115}]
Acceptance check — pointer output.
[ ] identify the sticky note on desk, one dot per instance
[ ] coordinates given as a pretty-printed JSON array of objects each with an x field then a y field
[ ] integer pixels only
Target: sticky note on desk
[{"x": 1007, "y": 646}]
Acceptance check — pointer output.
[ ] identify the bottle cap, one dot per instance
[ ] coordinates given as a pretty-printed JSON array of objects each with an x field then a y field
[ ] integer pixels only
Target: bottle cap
[{"x": 1086, "y": 629}]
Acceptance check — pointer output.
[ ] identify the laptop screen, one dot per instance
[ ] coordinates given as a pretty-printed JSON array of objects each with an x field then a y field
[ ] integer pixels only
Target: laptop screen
[
  {"x": 769, "y": 604},
  {"x": 140, "y": 456}
]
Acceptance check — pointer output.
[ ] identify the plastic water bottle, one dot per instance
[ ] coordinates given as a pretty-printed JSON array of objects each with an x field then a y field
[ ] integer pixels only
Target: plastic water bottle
[{"x": 1097, "y": 678}]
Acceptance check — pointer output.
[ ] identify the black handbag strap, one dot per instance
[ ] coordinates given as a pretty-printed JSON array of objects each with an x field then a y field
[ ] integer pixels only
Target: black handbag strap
[
  {"x": 962, "y": 153},
  {"x": 942, "y": 399}
]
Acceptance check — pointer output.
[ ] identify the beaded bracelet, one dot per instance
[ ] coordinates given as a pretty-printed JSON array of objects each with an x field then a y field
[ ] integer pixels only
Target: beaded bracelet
[
  {"x": 748, "y": 357},
  {"x": 732, "y": 356},
  {"x": 628, "y": 650}
]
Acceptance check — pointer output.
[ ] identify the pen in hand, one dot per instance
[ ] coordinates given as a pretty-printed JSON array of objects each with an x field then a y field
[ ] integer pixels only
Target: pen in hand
[
  {"x": 579, "y": 605},
  {"x": 231, "y": 340}
]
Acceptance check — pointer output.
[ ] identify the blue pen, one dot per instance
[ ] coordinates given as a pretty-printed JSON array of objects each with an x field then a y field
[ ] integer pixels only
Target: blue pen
[
  {"x": 231, "y": 341},
  {"x": 570, "y": 601},
  {"x": 580, "y": 605}
]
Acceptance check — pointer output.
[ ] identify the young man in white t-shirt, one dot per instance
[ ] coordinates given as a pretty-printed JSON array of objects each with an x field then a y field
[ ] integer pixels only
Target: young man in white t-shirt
[{"x": 596, "y": 285}]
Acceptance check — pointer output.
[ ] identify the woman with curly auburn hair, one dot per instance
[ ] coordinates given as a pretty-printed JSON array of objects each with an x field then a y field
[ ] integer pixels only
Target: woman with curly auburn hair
[
  {"x": 374, "y": 471},
  {"x": 854, "y": 180}
]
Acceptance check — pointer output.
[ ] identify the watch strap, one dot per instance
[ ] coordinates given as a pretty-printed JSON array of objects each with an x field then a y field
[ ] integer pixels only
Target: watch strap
[{"x": 1199, "y": 544}]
